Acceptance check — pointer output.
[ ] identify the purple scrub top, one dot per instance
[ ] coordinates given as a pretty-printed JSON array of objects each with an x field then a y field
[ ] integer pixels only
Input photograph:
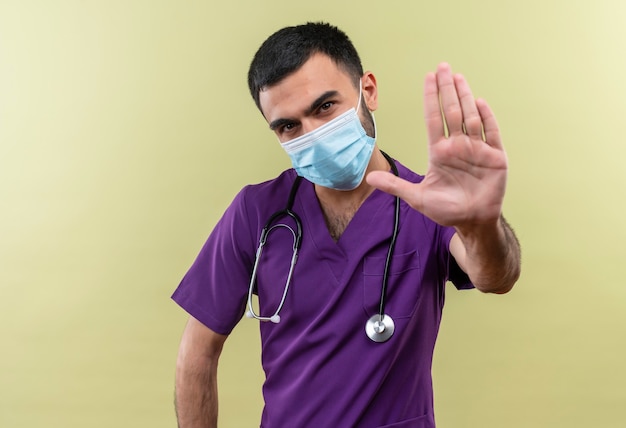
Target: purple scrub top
[{"x": 321, "y": 368}]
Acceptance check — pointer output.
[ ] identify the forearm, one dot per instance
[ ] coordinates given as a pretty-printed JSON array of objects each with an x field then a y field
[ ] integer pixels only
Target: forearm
[
  {"x": 196, "y": 395},
  {"x": 491, "y": 256},
  {"x": 196, "y": 376}
]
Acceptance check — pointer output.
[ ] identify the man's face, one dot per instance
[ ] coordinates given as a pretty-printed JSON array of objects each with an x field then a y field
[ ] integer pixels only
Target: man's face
[{"x": 313, "y": 95}]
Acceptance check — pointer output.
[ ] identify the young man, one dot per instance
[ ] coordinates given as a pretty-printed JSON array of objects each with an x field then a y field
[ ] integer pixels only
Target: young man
[{"x": 348, "y": 331}]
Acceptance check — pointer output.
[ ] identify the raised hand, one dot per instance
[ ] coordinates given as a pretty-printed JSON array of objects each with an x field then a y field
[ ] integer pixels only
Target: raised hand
[{"x": 466, "y": 178}]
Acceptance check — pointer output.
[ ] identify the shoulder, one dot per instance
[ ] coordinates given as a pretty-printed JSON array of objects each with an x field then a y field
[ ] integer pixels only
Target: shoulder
[
  {"x": 257, "y": 200},
  {"x": 249, "y": 210},
  {"x": 266, "y": 191}
]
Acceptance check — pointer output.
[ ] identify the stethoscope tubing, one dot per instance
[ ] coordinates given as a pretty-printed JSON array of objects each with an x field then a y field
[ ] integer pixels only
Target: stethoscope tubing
[
  {"x": 379, "y": 328},
  {"x": 297, "y": 241},
  {"x": 392, "y": 244}
]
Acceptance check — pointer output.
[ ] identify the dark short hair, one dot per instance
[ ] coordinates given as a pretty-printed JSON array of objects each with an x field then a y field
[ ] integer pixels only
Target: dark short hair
[{"x": 285, "y": 51}]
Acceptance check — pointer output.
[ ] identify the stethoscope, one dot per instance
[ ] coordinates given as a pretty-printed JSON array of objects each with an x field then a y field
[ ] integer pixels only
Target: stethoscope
[{"x": 380, "y": 327}]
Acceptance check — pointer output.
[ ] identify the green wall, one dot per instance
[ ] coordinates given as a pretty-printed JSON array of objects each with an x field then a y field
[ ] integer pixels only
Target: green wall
[{"x": 126, "y": 128}]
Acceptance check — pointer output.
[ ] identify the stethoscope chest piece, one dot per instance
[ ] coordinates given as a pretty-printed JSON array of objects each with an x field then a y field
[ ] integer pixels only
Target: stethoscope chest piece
[{"x": 380, "y": 328}]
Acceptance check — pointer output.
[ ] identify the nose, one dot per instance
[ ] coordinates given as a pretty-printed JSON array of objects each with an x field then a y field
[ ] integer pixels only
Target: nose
[{"x": 310, "y": 124}]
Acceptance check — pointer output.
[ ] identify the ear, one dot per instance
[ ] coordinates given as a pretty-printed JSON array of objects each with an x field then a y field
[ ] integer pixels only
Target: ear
[{"x": 370, "y": 90}]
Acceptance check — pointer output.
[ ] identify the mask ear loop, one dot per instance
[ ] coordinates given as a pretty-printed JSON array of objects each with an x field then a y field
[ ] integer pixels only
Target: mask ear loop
[
  {"x": 360, "y": 99},
  {"x": 358, "y": 106}
]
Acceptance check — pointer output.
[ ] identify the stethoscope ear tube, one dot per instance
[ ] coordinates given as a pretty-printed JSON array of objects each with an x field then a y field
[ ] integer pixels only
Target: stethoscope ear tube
[
  {"x": 297, "y": 243},
  {"x": 297, "y": 239}
]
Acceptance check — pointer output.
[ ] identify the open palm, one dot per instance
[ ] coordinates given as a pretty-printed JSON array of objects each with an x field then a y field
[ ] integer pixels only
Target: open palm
[{"x": 466, "y": 177}]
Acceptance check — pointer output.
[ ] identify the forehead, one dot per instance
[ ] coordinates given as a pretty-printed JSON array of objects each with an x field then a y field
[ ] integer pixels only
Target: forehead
[{"x": 295, "y": 92}]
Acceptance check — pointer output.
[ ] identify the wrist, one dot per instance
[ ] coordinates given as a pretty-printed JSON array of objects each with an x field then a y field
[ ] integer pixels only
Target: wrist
[
  {"x": 481, "y": 233},
  {"x": 492, "y": 255}
]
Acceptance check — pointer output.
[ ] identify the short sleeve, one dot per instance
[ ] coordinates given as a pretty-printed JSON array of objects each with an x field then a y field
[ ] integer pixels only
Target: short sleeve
[
  {"x": 214, "y": 289},
  {"x": 455, "y": 274}
]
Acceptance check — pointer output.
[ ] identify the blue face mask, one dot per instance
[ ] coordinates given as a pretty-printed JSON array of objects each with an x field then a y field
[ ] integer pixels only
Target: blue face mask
[{"x": 336, "y": 154}]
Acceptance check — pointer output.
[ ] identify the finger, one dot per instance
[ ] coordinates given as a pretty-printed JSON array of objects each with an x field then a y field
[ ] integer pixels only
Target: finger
[
  {"x": 471, "y": 118},
  {"x": 432, "y": 109},
  {"x": 389, "y": 183},
  {"x": 450, "y": 104},
  {"x": 490, "y": 124}
]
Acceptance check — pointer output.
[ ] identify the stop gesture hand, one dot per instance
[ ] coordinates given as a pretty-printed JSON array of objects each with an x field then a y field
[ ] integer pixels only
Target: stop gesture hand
[{"x": 466, "y": 178}]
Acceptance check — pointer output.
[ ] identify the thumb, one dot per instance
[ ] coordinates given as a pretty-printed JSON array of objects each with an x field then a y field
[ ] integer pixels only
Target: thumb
[{"x": 387, "y": 182}]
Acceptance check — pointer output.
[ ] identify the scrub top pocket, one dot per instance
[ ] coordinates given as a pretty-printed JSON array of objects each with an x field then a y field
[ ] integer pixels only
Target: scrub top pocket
[{"x": 403, "y": 286}]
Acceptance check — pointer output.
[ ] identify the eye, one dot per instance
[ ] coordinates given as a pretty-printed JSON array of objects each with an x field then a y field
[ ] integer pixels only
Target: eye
[
  {"x": 326, "y": 106},
  {"x": 286, "y": 128}
]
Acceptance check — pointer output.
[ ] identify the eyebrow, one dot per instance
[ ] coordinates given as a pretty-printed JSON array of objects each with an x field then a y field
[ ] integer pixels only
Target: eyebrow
[{"x": 314, "y": 106}]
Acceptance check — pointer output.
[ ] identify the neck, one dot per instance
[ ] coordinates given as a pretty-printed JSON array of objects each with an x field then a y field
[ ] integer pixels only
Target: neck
[{"x": 340, "y": 206}]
